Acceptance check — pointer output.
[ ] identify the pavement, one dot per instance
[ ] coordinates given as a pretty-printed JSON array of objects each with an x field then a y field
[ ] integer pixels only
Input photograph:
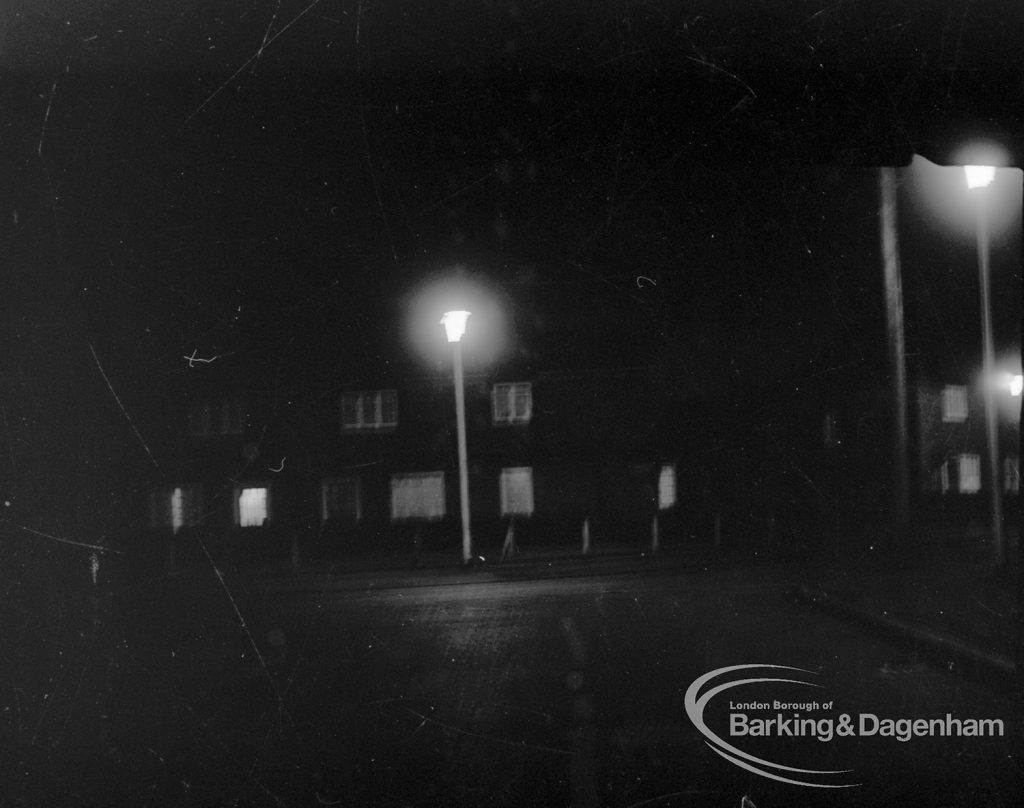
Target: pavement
[
  {"x": 951, "y": 601},
  {"x": 388, "y": 689},
  {"x": 940, "y": 592}
]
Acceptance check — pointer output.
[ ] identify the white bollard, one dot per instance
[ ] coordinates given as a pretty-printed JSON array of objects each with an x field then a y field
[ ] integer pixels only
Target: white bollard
[{"x": 508, "y": 549}]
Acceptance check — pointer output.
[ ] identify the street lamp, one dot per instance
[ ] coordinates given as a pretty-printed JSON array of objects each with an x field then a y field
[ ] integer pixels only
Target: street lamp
[
  {"x": 978, "y": 179},
  {"x": 454, "y": 323}
]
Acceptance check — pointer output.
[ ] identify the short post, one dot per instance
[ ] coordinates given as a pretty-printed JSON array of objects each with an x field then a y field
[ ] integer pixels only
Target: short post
[
  {"x": 586, "y": 535},
  {"x": 509, "y": 547},
  {"x": 655, "y": 542}
]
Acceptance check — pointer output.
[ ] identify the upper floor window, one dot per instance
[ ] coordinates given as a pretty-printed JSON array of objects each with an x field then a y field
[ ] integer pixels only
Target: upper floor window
[
  {"x": 954, "y": 403},
  {"x": 341, "y": 499},
  {"x": 214, "y": 417},
  {"x": 369, "y": 409},
  {"x": 417, "y": 496},
  {"x": 512, "y": 403},
  {"x": 516, "y": 489}
]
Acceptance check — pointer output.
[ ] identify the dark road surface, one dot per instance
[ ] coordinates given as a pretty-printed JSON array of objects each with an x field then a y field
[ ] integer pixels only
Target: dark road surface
[{"x": 552, "y": 692}]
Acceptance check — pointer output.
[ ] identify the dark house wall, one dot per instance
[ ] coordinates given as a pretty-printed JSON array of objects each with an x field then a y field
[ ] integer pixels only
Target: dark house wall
[
  {"x": 942, "y": 442},
  {"x": 595, "y": 440}
]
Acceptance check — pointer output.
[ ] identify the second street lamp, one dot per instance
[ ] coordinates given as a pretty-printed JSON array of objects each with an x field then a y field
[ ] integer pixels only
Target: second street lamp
[
  {"x": 978, "y": 179},
  {"x": 454, "y": 323}
]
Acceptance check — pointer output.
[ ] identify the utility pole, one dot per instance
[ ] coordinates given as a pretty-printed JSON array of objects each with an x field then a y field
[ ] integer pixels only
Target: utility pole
[{"x": 897, "y": 350}]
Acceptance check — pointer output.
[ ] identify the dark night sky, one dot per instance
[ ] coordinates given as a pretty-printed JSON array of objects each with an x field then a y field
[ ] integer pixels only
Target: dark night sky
[{"x": 265, "y": 180}]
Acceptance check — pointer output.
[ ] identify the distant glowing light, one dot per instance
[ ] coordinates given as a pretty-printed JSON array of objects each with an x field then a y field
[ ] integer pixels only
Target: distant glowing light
[
  {"x": 490, "y": 335},
  {"x": 979, "y": 176},
  {"x": 454, "y": 323},
  {"x": 940, "y": 195},
  {"x": 1016, "y": 384}
]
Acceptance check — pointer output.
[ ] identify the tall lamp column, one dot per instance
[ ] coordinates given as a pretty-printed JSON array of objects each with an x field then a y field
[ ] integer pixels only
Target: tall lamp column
[
  {"x": 978, "y": 179},
  {"x": 454, "y": 323}
]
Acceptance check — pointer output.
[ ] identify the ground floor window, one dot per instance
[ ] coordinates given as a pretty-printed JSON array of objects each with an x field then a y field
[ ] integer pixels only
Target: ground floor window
[
  {"x": 970, "y": 473},
  {"x": 176, "y": 508},
  {"x": 667, "y": 487},
  {"x": 341, "y": 499},
  {"x": 961, "y": 474},
  {"x": 516, "y": 489},
  {"x": 1011, "y": 474},
  {"x": 417, "y": 496},
  {"x": 253, "y": 507}
]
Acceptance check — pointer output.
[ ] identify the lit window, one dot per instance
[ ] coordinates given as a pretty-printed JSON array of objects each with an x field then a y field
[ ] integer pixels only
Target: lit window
[
  {"x": 667, "y": 487},
  {"x": 417, "y": 496},
  {"x": 217, "y": 417},
  {"x": 340, "y": 497},
  {"x": 512, "y": 403},
  {"x": 954, "y": 403},
  {"x": 969, "y": 468},
  {"x": 369, "y": 409},
  {"x": 176, "y": 508},
  {"x": 1011, "y": 474},
  {"x": 252, "y": 507},
  {"x": 516, "y": 488}
]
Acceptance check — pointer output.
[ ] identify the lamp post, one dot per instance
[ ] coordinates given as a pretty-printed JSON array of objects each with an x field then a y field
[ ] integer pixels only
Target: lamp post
[
  {"x": 978, "y": 179},
  {"x": 454, "y": 323}
]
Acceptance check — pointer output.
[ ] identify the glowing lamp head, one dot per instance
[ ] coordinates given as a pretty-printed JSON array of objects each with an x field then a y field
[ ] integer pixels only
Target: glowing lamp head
[
  {"x": 454, "y": 323},
  {"x": 979, "y": 176},
  {"x": 1016, "y": 384}
]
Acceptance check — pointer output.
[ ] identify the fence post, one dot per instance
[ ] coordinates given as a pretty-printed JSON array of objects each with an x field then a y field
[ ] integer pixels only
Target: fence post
[{"x": 586, "y": 535}]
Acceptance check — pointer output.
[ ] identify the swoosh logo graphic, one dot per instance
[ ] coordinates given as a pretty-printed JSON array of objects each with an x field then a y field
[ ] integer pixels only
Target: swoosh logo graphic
[{"x": 696, "y": 702}]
